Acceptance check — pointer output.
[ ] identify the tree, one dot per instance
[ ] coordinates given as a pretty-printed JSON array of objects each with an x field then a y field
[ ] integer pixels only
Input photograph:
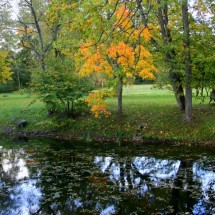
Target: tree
[
  {"x": 8, "y": 39},
  {"x": 170, "y": 53},
  {"x": 188, "y": 69},
  {"x": 177, "y": 58},
  {"x": 120, "y": 62},
  {"x": 22, "y": 65},
  {"x": 132, "y": 19},
  {"x": 202, "y": 42},
  {"x": 34, "y": 31},
  {"x": 5, "y": 73},
  {"x": 89, "y": 22},
  {"x": 60, "y": 88}
]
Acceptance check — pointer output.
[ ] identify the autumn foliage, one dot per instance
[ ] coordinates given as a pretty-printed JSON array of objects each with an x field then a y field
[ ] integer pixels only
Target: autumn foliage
[
  {"x": 125, "y": 20},
  {"x": 97, "y": 102},
  {"x": 119, "y": 60},
  {"x": 5, "y": 73}
]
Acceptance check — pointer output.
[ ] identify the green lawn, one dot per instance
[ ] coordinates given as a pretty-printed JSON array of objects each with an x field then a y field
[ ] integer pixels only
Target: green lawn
[
  {"x": 155, "y": 109},
  {"x": 15, "y": 107}
]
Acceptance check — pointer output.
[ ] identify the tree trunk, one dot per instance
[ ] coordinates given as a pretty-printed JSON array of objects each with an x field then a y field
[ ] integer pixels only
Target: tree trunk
[
  {"x": 188, "y": 69},
  {"x": 175, "y": 77},
  {"x": 41, "y": 62},
  {"x": 177, "y": 86},
  {"x": 119, "y": 92}
]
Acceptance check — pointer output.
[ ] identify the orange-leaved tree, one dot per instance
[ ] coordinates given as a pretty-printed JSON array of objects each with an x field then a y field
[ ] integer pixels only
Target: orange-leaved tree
[
  {"x": 119, "y": 62},
  {"x": 114, "y": 58},
  {"x": 97, "y": 102}
]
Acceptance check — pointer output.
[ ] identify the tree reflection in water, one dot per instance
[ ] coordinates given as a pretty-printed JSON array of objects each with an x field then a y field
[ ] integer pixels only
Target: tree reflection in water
[
  {"x": 76, "y": 181},
  {"x": 148, "y": 173},
  {"x": 204, "y": 175}
]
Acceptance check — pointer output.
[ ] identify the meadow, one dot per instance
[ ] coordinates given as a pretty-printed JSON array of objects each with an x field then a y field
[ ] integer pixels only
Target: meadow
[{"x": 149, "y": 113}]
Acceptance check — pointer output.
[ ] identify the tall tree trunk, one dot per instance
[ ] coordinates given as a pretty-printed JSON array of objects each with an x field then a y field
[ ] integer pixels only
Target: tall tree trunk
[
  {"x": 188, "y": 69},
  {"x": 170, "y": 55},
  {"x": 175, "y": 78},
  {"x": 177, "y": 86},
  {"x": 119, "y": 92}
]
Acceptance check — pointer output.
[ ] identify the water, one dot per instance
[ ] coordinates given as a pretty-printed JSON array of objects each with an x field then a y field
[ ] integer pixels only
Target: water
[{"x": 42, "y": 176}]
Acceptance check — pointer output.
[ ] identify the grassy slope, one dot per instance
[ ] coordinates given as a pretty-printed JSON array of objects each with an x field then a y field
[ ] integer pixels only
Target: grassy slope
[{"x": 155, "y": 109}]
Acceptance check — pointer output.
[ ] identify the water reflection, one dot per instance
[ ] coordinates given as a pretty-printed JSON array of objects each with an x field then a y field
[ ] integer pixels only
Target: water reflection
[
  {"x": 50, "y": 182},
  {"x": 155, "y": 170},
  {"x": 108, "y": 210},
  {"x": 145, "y": 174},
  {"x": 21, "y": 195},
  {"x": 204, "y": 175}
]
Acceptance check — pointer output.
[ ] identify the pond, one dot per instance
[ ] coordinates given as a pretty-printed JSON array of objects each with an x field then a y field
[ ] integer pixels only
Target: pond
[{"x": 45, "y": 176}]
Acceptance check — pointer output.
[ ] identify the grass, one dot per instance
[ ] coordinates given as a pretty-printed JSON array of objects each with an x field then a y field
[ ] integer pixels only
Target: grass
[
  {"x": 154, "y": 109},
  {"x": 15, "y": 107}
]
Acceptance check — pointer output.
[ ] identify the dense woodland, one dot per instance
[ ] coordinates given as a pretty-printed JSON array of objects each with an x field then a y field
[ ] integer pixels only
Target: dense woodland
[{"x": 74, "y": 54}]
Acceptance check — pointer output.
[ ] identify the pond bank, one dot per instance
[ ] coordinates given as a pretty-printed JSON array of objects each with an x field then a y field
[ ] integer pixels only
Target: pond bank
[{"x": 135, "y": 140}]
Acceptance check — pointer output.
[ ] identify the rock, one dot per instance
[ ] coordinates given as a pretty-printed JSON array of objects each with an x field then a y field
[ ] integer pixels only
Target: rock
[
  {"x": 142, "y": 126},
  {"x": 23, "y": 123},
  {"x": 7, "y": 130},
  {"x": 14, "y": 118},
  {"x": 137, "y": 138},
  {"x": 212, "y": 96}
]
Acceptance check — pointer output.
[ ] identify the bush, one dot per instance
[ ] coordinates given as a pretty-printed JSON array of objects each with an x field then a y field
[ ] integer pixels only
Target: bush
[{"x": 61, "y": 88}]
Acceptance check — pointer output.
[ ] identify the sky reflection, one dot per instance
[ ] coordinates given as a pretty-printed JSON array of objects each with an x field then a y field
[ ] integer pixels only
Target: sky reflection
[
  {"x": 108, "y": 210},
  {"x": 24, "y": 199},
  {"x": 206, "y": 178},
  {"x": 24, "y": 195},
  {"x": 156, "y": 169}
]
